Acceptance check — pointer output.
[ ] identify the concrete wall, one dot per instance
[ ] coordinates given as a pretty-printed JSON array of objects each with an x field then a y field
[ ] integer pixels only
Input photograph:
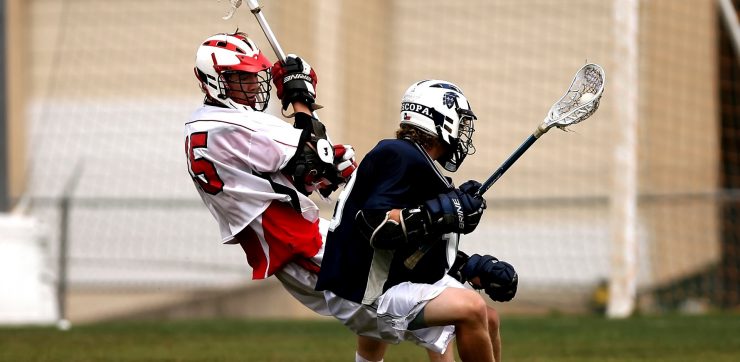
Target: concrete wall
[{"x": 17, "y": 76}]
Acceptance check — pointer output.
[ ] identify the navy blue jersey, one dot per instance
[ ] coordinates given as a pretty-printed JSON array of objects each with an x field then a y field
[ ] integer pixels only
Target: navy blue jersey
[{"x": 396, "y": 174}]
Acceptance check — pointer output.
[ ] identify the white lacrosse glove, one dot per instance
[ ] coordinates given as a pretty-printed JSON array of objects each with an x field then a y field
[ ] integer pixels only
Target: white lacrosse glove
[
  {"x": 344, "y": 166},
  {"x": 344, "y": 161}
]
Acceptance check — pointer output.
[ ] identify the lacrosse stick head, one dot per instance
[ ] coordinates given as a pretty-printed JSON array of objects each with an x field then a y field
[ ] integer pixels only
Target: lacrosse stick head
[
  {"x": 580, "y": 101},
  {"x": 234, "y": 4}
]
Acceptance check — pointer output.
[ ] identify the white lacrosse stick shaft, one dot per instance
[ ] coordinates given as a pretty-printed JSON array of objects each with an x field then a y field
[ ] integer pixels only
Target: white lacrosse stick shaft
[{"x": 256, "y": 9}]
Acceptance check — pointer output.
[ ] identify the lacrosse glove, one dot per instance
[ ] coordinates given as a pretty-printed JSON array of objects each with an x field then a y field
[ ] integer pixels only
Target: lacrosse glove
[
  {"x": 455, "y": 211},
  {"x": 295, "y": 81},
  {"x": 470, "y": 187},
  {"x": 497, "y": 278},
  {"x": 344, "y": 166}
]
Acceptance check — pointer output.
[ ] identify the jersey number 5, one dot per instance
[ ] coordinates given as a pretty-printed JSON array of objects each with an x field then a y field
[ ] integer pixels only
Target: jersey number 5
[{"x": 202, "y": 170}]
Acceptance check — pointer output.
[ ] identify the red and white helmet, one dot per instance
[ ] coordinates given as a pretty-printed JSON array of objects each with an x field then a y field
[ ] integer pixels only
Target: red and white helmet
[
  {"x": 440, "y": 109},
  {"x": 225, "y": 53}
]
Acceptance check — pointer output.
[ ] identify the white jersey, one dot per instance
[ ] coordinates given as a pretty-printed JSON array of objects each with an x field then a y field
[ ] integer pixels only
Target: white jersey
[{"x": 234, "y": 159}]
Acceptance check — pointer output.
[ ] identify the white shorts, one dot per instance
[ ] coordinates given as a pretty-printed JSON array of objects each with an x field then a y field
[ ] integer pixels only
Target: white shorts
[
  {"x": 389, "y": 317},
  {"x": 301, "y": 283}
]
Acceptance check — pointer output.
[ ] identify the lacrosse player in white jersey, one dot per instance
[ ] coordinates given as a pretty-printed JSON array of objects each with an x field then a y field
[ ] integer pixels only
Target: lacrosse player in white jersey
[{"x": 254, "y": 171}]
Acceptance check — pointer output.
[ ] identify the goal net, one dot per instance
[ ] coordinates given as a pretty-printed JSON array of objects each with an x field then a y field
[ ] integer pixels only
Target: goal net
[{"x": 644, "y": 192}]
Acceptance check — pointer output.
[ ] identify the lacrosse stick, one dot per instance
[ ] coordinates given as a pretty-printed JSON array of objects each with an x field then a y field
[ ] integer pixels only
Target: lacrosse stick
[
  {"x": 327, "y": 155},
  {"x": 256, "y": 9},
  {"x": 579, "y": 102}
]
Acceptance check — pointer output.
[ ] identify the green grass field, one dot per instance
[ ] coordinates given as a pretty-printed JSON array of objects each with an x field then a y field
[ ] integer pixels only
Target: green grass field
[{"x": 564, "y": 338}]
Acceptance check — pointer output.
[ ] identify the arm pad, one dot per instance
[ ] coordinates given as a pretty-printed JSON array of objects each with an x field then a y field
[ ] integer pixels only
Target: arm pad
[
  {"x": 308, "y": 166},
  {"x": 305, "y": 167},
  {"x": 383, "y": 233}
]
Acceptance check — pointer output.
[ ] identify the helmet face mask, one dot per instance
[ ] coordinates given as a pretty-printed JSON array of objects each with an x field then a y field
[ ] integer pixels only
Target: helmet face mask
[
  {"x": 439, "y": 108},
  {"x": 245, "y": 89},
  {"x": 233, "y": 72},
  {"x": 462, "y": 146}
]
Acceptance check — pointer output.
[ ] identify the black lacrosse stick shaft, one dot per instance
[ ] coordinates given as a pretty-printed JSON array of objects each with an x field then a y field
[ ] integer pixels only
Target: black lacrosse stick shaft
[
  {"x": 411, "y": 261},
  {"x": 505, "y": 166}
]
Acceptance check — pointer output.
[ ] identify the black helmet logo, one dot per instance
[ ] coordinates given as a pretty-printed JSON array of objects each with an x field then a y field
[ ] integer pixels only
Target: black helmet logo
[{"x": 450, "y": 99}]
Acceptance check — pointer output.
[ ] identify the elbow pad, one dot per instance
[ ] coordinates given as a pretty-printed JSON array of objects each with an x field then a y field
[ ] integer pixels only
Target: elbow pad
[
  {"x": 383, "y": 233},
  {"x": 313, "y": 159}
]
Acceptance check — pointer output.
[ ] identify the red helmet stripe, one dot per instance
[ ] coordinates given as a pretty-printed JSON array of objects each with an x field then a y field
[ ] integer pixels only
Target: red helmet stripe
[{"x": 224, "y": 45}]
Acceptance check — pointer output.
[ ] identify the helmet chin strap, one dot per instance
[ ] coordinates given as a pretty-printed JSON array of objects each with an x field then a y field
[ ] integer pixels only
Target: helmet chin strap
[
  {"x": 449, "y": 162},
  {"x": 447, "y": 158}
]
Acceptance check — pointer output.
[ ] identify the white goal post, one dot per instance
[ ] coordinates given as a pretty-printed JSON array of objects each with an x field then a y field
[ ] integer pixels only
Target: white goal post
[
  {"x": 623, "y": 198},
  {"x": 27, "y": 283}
]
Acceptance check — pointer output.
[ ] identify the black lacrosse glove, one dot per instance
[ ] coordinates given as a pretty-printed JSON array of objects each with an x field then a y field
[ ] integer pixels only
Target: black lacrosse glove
[
  {"x": 455, "y": 211},
  {"x": 470, "y": 187},
  {"x": 295, "y": 81},
  {"x": 497, "y": 278}
]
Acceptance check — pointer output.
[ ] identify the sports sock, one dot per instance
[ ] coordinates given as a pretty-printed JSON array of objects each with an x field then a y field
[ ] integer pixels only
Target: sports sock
[{"x": 359, "y": 358}]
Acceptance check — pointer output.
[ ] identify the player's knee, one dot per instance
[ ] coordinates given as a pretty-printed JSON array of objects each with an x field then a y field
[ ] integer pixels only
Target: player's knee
[
  {"x": 494, "y": 322},
  {"x": 474, "y": 308}
]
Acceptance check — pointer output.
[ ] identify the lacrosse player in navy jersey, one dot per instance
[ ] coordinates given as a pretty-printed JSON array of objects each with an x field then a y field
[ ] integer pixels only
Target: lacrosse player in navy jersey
[
  {"x": 254, "y": 171},
  {"x": 397, "y": 202}
]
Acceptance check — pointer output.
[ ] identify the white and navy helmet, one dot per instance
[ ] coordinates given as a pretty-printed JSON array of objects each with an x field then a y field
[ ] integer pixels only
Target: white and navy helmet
[
  {"x": 224, "y": 53},
  {"x": 440, "y": 109}
]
